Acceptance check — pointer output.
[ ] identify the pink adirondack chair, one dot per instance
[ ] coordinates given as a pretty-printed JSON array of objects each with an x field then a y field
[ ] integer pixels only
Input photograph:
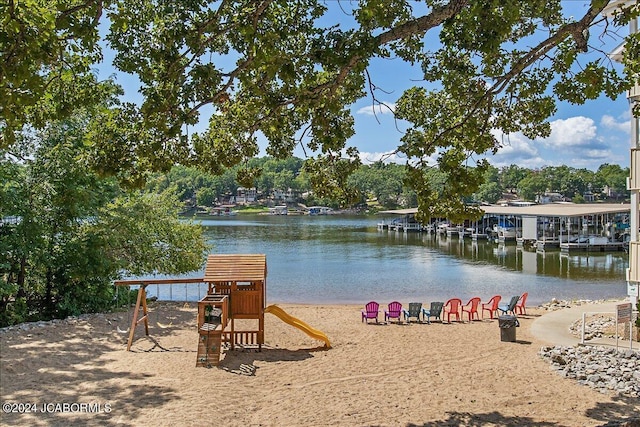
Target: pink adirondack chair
[
  {"x": 520, "y": 306},
  {"x": 471, "y": 308},
  {"x": 491, "y": 306},
  {"x": 393, "y": 312},
  {"x": 452, "y": 307},
  {"x": 370, "y": 311}
]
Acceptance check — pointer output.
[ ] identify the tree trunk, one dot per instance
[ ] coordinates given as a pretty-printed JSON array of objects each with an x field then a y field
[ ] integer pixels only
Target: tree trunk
[
  {"x": 22, "y": 292},
  {"x": 48, "y": 296}
]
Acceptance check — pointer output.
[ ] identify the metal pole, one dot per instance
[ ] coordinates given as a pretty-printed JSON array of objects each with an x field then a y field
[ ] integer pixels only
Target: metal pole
[
  {"x": 616, "y": 330},
  {"x": 584, "y": 316}
]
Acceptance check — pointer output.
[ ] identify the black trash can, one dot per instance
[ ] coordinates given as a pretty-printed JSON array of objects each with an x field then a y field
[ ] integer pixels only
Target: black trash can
[{"x": 508, "y": 326}]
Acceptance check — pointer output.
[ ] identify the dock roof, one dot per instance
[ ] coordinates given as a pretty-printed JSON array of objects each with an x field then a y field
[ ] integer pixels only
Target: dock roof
[{"x": 551, "y": 209}]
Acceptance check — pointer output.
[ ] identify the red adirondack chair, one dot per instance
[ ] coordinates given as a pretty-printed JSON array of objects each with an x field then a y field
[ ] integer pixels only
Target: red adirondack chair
[
  {"x": 452, "y": 307},
  {"x": 394, "y": 311},
  {"x": 471, "y": 308},
  {"x": 491, "y": 306},
  {"x": 370, "y": 311},
  {"x": 520, "y": 306}
]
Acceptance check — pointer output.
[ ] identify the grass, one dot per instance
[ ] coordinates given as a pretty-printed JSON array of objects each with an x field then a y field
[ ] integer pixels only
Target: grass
[{"x": 242, "y": 210}]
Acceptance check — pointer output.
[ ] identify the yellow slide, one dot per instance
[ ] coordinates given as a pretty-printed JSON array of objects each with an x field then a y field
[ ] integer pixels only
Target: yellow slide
[{"x": 297, "y": 323}]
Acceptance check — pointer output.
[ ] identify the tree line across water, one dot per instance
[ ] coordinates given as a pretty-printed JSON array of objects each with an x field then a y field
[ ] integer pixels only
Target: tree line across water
[{"x": 383, "y": 185}]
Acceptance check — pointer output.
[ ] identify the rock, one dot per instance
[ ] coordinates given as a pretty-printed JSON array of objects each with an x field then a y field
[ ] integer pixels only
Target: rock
[{"x": 603, "y": 369}]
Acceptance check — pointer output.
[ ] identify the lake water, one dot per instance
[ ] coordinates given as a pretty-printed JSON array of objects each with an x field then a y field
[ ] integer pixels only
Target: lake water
[{"x": 342, "y": 259}]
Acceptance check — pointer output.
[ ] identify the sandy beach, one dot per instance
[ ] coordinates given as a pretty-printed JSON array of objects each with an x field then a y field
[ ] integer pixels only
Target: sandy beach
[{"x": 374, "y": 375}]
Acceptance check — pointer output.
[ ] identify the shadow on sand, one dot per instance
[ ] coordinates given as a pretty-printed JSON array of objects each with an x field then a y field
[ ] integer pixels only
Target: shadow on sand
[{"x": 610, "y": 415}]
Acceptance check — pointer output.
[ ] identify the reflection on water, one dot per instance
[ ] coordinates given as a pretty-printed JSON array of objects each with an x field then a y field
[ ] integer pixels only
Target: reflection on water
[
  {"x": 329, "y": 259},
  {"x": 583, "y": 266}
]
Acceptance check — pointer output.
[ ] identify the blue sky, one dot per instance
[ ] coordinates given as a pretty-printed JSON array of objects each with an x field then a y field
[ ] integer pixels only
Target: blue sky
[{"x": 582, "y": 136}]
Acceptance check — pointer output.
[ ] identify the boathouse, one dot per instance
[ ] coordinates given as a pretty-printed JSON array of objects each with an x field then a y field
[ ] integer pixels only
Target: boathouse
[{"x": 568, "y": 226}]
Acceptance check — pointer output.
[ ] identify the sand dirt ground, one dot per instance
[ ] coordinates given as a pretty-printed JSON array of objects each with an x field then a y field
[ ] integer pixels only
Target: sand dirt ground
[{"x": 374, "y": 375}]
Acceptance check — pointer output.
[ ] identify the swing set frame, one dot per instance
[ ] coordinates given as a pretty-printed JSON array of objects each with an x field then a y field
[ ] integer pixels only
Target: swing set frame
[{"x": 141, "y": 301}]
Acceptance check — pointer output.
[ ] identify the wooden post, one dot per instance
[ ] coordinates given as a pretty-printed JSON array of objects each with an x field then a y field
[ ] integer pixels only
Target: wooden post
[
  {"x": 141, "y": 301},
  {"x": 145, "y": 311}
]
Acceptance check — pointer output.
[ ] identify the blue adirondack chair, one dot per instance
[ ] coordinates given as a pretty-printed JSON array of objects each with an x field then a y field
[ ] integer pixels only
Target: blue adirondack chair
[
  {"x": 415, "y": 310},
  {"x": 511, "y": 307},
  {"x": 434, "y": 311}
]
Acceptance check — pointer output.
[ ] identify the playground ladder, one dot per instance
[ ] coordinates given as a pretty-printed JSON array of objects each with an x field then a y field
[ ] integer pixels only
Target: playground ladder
[{"x": 209, "y": 343}]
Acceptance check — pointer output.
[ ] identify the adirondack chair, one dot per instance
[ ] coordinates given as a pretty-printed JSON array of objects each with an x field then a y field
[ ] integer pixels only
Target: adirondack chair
[
  {"x": 370, "y": 311},
  {"x": 491, "y": 306},
  {"x": 520, "y": 306},
  {"x": 415, "y": 310},
  {"x": 452, "y": 307},
  {"x": 511, "y": 307},
  {"x": 394, "y": 311},
  {"x": 471, "y": 308},
  {"x": 434, "y": 311}
]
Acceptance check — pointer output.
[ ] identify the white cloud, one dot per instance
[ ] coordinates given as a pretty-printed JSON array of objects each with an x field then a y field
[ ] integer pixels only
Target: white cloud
[
  {"x": 592, "y": 159},
  {"x": 572, "y": 132},
  {"x": 597, "y": 157},
  {"x": 598, "y": 154},
  {"x": 375, "y": 109},
  {"x": 518, "y": 152},
  {"x": 611, "y": 123},
  {"x": 515, "y": 149},
  {"x": 577, "y": 141},
  {"x": 388, "y": 157},
  {"x": 516, "y": 145}
]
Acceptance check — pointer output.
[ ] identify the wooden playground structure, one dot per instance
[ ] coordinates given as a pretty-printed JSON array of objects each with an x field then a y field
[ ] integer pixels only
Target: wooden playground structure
[{"x": 236, "y": 289}]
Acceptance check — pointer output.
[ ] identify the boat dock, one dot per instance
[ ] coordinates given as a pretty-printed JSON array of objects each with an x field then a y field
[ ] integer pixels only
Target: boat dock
[{"x": 596, "y": 227}]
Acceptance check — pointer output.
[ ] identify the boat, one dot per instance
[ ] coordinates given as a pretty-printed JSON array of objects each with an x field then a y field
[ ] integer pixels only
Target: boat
[
  {"x": 320, "y": 210},
  {"x": 224, "y": 210},
  {"x": 279, "y": 210}
]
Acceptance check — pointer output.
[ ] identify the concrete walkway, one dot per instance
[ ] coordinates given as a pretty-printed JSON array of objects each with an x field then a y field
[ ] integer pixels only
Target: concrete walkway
[{"x": 553, "y": 327}]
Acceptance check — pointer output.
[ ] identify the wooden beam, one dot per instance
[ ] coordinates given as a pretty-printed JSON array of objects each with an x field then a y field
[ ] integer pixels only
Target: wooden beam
[{"x": 145, "y": 282}]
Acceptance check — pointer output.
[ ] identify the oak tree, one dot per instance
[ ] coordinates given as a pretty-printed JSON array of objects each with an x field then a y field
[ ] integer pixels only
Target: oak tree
[{"x": 290, "y": 70}]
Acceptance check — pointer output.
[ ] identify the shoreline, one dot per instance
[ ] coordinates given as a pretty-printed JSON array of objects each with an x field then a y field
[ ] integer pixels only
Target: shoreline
[{"x": 550, "y": 306}]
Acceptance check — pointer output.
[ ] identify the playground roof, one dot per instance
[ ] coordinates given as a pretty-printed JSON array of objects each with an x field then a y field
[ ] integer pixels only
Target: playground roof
[{"x": 236, "y": 268}]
